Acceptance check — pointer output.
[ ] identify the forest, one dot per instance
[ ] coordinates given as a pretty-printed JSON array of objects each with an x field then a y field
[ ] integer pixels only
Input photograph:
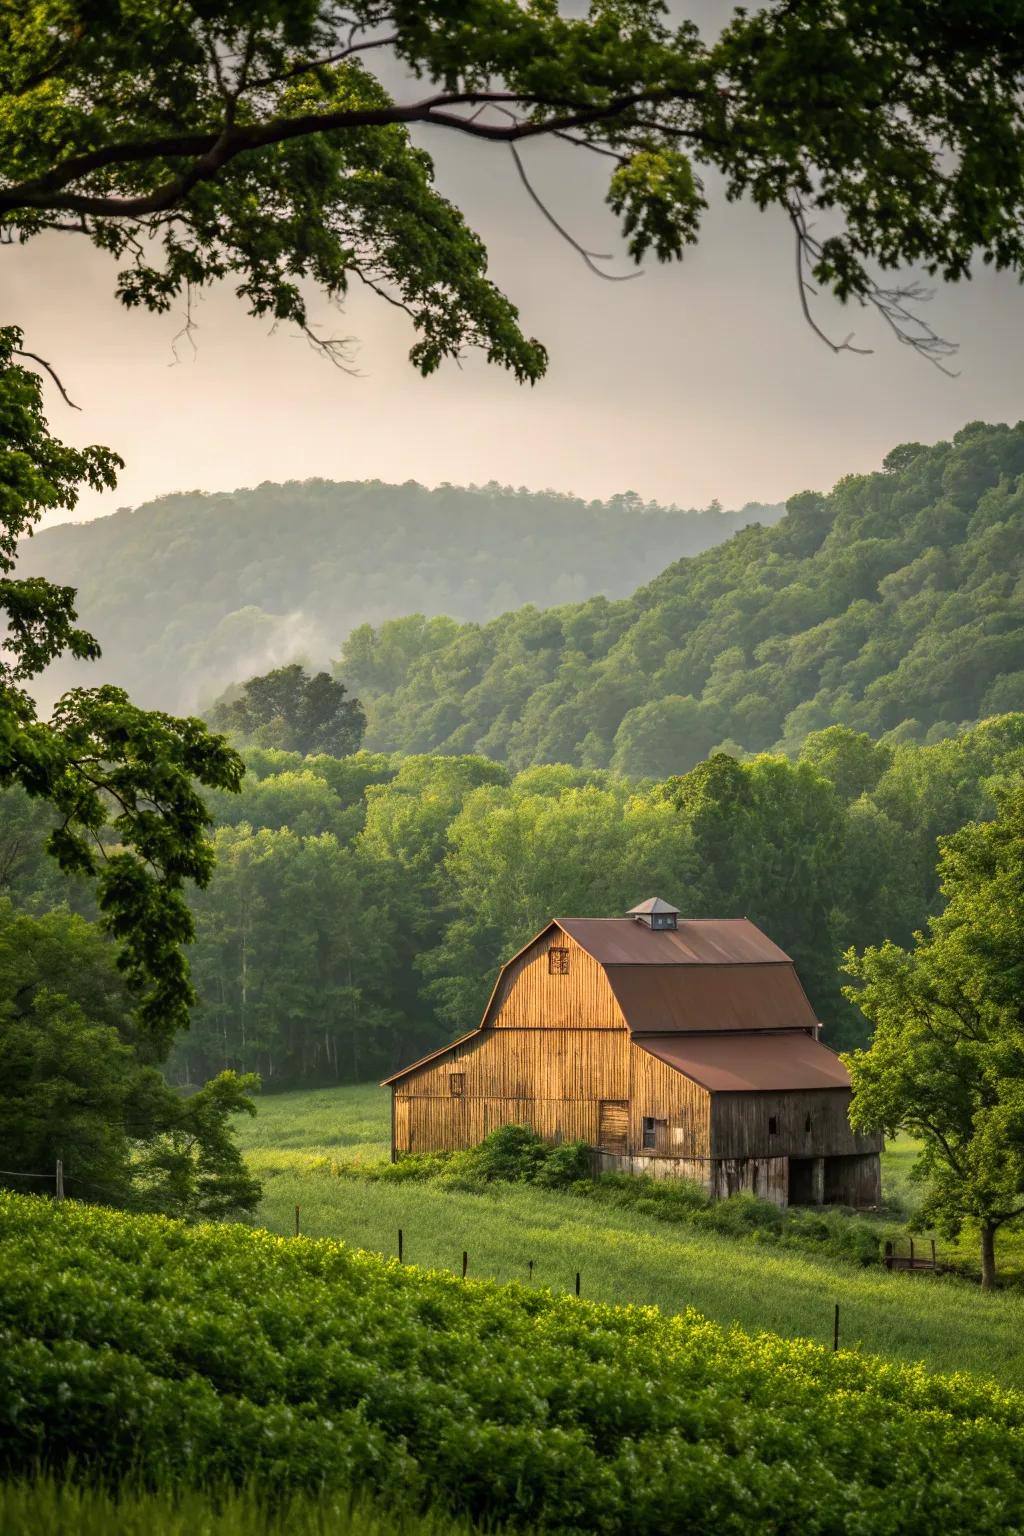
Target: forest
[
  {"x": 361, "y": 906},
  {"x": 892, "y": 605},
  {"x": 193, "y": 592}
]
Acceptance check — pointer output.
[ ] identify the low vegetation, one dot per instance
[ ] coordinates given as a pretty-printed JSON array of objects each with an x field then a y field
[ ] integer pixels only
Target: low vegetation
[
  {"x": 212, "y": 1354},
  {"x": 625, "y": 1253}
]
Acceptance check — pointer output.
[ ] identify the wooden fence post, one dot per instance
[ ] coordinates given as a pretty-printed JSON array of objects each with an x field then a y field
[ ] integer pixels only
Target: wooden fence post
[
  {"x": 465, "y": 1263},
  {"x": 577, "y": 1282},
  {"x": 835, "y": 1330},
  {"x": 296, "y": 1221},
  {"x": 529, "y": 1265},
  {"x": 399, "y": 1245},
  {"x": 60, "y": 1179}
]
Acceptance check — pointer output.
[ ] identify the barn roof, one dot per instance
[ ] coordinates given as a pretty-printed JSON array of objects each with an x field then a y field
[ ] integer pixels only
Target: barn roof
[
  {"x": 710, "y": 997},
  {"x": 696, "y": 941},
  {"x": 748, "y": 1063}
]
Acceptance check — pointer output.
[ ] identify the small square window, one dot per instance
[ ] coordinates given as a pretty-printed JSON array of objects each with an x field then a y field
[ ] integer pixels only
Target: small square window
[
  {"x": 650, "y": 1132},
  {"x": 457, "y": 1084},
  {"x": 807, "y": 1125},
  {"x": 558, "y": 962},
  {"x": 773, "y": 1125}
]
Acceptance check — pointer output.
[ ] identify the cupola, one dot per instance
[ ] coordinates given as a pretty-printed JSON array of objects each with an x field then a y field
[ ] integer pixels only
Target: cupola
[{"x": 655, "y": 913}]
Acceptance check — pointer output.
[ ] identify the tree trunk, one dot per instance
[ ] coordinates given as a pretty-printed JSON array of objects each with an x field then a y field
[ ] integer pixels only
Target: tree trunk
[{"x": 988, "y": 1256}]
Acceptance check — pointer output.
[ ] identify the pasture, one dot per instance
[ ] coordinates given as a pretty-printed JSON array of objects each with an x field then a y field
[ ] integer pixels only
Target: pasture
[{"x": 622, "y": 1255}]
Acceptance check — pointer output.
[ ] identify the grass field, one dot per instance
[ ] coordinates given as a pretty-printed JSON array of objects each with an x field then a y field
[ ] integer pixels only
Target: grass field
[{"x": 622, "y": 1256}]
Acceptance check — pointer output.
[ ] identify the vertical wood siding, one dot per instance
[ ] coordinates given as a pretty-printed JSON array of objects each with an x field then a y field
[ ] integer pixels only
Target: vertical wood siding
[
  {"x": 680, "y": 1108},
  {"x": 740, "y": 1125},
  {"x": 529, "y": 997}
]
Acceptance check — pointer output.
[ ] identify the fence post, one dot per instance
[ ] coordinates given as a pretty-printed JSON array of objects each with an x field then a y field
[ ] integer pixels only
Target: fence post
[
  {"x": 529, "y": 1265},
  {"x": 577, "y": 1282},
  {"x": 911, "y": 1253},
  {"x": 465, "y": 1263},
  {"x": 888, "y": 1255},
  {"x": 399, "y": 1245},
  {"x": 60, "y": 1179},
  {"x": 933, "y": 1253},
  {"x": 296, "y": 1221},
  {"x": 835, "y": 1331}
]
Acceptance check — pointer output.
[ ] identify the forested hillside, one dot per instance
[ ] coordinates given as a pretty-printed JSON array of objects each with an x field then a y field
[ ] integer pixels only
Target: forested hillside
[
  {"x": 190, "y": 593},
  {"x": 360, "y": 906},
  {"x": 894, "y": 605}
]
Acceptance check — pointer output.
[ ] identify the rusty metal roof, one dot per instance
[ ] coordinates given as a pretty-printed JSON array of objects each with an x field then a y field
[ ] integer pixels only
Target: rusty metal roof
[
  {"x": 749, "y": 1063},
  {"x": 710, "y": 997},
  {"x": 696, "y": 941}
]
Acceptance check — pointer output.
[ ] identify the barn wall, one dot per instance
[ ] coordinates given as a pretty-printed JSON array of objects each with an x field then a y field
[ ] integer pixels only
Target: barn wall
[
  {"x": 739, "y": 1125},
  {"x": 766, "y": 1177},
  {"x": 853, "y": 1180},
  {"x": 680, "y": 1107},
  {"x": 550, "y": 1079},
  {"x": 529, "y": 997}
]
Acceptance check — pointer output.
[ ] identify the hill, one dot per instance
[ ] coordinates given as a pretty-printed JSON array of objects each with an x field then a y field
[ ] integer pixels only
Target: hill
[
  {"x": 192, "y": 592},
  {"x": 144, "y": 1348},
  {"x": 894, "y": 605}
]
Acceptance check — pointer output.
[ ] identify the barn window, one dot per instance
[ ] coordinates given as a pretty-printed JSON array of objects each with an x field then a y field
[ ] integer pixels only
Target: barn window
[
  {"x": 773, "y": 1125},
  {"x": 457, "y": 1084},
  {"x": 650, "y": 1131},
  {"x": 807, "y": 1125},
  {"x": 558, "y": 962}
]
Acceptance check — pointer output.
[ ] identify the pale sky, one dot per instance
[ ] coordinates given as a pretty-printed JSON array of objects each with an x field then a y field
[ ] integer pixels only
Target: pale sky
[{"x": 695, "y": 381}]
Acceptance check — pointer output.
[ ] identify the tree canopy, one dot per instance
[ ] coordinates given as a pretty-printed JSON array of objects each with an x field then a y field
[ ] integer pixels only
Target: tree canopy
[
  {"x": 253, "y": 142},
  {"x": 946, "y": 1061},
  {"x": 190, "y": 611},
  {"x": 288, "y": 708},
  {"x": 891, "y": 605}
]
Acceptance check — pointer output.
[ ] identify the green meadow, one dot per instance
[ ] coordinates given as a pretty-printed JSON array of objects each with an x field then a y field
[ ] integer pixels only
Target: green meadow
[{"x": 621, "y": 1255}]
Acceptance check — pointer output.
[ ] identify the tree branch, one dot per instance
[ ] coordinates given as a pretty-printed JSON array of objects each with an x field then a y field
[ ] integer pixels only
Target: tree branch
[{"x": 19, "y": 352}]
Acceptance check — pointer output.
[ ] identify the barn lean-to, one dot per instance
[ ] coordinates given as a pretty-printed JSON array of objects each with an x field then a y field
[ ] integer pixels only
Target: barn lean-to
[{"x": 672, "y": 1047}]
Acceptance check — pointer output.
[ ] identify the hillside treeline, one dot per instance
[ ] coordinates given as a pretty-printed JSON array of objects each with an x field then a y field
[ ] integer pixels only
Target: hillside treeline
[
  {"x": 193, "y": 592},
  {"x": 894, "y": 605},
  {"x": 361, "y": 906}
]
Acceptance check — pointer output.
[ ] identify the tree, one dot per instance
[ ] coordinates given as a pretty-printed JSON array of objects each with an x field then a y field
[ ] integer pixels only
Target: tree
[
  {"x": 121, "y": 780},
  {"x": 947, "y": 1059},
  {"x": 201, "y": 141},
  {"x": 79, "y": 1085},
  {"x": 289, "y": 709}
]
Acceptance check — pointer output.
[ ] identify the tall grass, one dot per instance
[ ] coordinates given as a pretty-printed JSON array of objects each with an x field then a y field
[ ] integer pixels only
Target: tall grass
[
  {"x": 622, "y": 1255},
  {"x": 46, "y": 1506}
]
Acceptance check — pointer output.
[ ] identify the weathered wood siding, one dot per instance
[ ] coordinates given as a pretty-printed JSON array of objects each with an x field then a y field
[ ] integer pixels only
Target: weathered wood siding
[
  {"x": 766, "y": 1177},
  {"x": 554, "y": 1047},
  {"x": 680, "y": 1109},
  {"x": 853, "y": 1181},
  {"x": 530, "y": 997},
  {"x": 740, "y": 1125}
]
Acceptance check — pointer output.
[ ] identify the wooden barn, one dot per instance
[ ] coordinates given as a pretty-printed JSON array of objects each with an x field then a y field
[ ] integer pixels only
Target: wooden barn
[{"x": 673, "y": 1047}]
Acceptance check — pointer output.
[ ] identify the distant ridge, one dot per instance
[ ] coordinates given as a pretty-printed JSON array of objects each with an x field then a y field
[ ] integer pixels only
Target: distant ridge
[
  {"x": 894, "y": 605},
  {"x": 191, "y": 592}
]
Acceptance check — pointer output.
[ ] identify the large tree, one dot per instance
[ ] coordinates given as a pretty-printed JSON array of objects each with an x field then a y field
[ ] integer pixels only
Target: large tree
[
  {"x": 946, "y": 1062},
  {"x": 250, "y": 139}
]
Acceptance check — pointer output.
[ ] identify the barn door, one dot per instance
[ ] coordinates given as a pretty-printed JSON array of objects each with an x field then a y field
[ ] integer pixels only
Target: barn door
[{"x": 613, "y": 1122}]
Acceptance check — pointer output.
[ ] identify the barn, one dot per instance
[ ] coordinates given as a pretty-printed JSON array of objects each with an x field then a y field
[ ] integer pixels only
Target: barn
[{"x": 674, "y": 1047}]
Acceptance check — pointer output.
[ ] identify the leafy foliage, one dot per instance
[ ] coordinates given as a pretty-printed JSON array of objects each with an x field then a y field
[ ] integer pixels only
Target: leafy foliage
[
  {"x": 947, "y": 1058},
  {"x": 210, "y": 1354},
  {"x": 121, "y": 781},
  {"x": 79, "y": 1083},
  {"x": 891, "y": 606},
  {"x": 289, "y": 709},
  {"x": 196, "y": 142}
]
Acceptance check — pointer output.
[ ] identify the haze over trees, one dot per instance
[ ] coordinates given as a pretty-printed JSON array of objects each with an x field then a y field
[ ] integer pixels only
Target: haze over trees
[
  {"x": 891, "y": 605},
  {"x": 289, "y": 709},
  {"x": 194, "y": 592}
]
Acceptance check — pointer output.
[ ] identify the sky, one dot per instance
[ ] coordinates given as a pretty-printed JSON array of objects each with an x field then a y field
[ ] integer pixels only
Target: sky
[{"x": 695, "y": 381}]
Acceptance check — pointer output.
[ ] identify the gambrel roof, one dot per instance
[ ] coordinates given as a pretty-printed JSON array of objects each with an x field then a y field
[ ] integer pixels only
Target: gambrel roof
[{"x": 715, "y": 999}]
